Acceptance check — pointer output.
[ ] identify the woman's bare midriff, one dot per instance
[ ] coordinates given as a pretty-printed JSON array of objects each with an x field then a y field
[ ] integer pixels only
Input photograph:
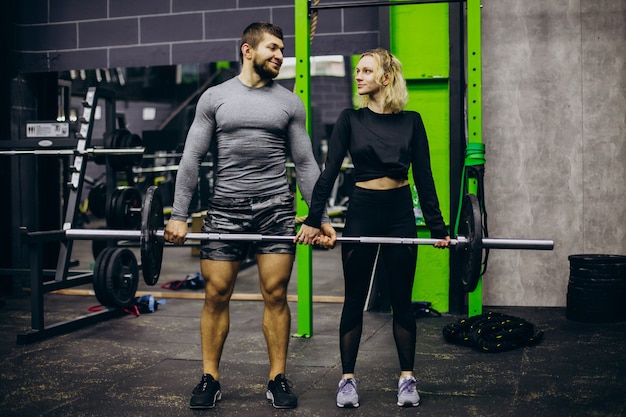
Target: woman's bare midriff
[{"x": 383, "y": 183}]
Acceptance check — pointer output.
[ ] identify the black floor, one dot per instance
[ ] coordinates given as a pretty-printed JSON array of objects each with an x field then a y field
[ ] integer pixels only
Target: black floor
[{"x": 148, "y": 365}]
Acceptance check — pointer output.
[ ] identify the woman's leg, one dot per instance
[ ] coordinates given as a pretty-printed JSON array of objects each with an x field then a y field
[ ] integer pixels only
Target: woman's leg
[
  {"x": 358, "y": 261},
  {"x": 400, "y": 270}
]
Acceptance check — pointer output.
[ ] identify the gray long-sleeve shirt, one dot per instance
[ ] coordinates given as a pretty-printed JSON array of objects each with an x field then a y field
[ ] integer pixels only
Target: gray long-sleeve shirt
[{"x": 253, "y": 130}]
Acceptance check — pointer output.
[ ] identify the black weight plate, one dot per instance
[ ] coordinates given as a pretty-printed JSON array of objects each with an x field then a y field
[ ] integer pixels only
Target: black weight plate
[
  {"x": 596, "y": 260},
  {"x": 122, "y": 277},
  {"x": 585, "y": 272},
  {"x": 97, "y": 200},
  {"x": 113, "y": 221},
  {"x": 135, "y": 141},
  {"x": 615, "y": 276},
  {"x": 129, "y": 199},
  {"x": 119, "y": 208},
  {"x": 117, "y": 162},
  {"x": 99, "y": 277},
  {"x": 470, "y": 226},
  {"x": 597, "y": 283},
  {"x": 151, "y": 246}
]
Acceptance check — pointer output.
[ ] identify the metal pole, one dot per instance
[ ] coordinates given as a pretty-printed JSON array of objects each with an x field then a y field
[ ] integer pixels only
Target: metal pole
[
  {"x": 88, "y": 151},
  {"x": 474, "y": 116},
  {"x": 379, "y": 4},
  {"x": 304, "y": 256}
]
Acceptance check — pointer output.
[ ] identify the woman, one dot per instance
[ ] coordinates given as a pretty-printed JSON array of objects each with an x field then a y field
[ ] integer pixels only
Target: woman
[{"x": 384, "y": 141}]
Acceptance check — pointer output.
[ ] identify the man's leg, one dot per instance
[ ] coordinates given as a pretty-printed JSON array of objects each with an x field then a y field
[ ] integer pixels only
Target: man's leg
[
  {"x": 274, "y": 274},
  {"x": 219, "y": 278}
]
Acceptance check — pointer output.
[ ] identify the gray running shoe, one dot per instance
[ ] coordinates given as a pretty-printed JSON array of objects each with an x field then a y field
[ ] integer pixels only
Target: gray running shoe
[
  {"x": 407, "y": 392},
  {"x": 347, "y": 394}
]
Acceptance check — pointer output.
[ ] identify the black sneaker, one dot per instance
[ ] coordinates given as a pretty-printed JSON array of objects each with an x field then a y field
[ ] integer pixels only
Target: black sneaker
[
  {"x": 206, "y": 393},
  {"x": 279, "y": 393}
]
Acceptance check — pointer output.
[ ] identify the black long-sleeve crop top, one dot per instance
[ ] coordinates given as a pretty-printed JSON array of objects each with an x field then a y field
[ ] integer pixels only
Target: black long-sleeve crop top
[{"x": 380, "y": 145}]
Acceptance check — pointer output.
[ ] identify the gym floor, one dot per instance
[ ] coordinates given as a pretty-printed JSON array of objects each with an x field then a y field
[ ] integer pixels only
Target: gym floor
[{"x": 147, "y": 365}]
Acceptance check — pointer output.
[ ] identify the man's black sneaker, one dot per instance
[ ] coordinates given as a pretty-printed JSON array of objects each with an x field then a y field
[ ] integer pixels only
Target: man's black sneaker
[
  {"x": 279, "y": 393},
  {"x": 206, "y": 393}
]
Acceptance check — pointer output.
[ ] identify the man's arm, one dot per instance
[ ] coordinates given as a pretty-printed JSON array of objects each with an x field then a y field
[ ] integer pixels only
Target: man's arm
[
  {"x": 197, "y": 145},
  {"x": 307, "y": 170}
]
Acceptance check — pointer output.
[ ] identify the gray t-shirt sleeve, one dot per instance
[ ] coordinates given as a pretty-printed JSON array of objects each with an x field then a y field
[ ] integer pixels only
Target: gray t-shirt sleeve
[{"x": 197, "y": 144}]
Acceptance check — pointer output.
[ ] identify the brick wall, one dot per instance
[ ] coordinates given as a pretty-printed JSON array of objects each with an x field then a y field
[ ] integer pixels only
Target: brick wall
[{"x": 61, "y": 35}]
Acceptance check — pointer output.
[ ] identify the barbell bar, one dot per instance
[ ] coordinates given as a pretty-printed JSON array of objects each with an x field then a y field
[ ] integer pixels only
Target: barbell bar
[
  {"x": 88, "y": 151},
  {"x": 469, "y": 242},
  {"x": 487, "y": 243}
]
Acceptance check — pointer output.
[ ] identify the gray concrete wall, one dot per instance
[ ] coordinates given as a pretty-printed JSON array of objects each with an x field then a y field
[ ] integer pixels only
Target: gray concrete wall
[{"x": 554, "y": 126}]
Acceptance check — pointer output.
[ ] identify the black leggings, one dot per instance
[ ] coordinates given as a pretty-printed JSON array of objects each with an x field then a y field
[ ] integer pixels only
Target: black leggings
[{"x": 379, "y": 213}]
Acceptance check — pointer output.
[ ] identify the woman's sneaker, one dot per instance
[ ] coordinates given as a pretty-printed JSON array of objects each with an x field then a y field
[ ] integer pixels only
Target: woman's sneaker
[
  {"x": 347, "y": 394},
  {"x": 206, "y": 393},
  {"x": 407, "y": 392}
]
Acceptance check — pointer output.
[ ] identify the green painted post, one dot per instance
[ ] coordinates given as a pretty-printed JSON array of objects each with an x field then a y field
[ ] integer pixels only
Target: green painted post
[
  {"x": 474, "y": 113},
  {"x": 303, "y": 89}
]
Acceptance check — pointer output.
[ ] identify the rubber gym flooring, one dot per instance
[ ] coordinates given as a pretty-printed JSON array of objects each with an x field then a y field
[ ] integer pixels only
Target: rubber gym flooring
[{"x": 147, "y": 365}]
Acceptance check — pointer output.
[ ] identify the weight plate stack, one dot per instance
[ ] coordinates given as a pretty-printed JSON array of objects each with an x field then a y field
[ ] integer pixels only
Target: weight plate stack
[
  {"x": 116, "y": 277},
  {"x": 123, "y": 211},
  {"x": 597, "y": 288}
]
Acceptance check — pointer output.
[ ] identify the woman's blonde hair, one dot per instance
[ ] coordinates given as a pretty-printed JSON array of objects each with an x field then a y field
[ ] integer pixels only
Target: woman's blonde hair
[{"x": 395, "y": 94}]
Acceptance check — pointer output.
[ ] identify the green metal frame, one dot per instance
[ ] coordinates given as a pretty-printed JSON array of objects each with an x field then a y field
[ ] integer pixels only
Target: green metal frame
[
  {"x": 474, "y": 115},
  {"x": 303, "y": 89}
]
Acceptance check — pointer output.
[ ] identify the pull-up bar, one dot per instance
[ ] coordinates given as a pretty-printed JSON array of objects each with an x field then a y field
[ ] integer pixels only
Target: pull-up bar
[{"x": 348, "y": 5}]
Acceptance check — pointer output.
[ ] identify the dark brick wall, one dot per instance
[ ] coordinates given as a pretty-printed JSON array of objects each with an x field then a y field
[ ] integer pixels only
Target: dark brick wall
[{"x": 61, "y": 35}]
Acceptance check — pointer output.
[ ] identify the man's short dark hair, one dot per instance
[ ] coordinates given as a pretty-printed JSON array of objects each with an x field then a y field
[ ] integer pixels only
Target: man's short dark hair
[{"x": 253, "y": 34}]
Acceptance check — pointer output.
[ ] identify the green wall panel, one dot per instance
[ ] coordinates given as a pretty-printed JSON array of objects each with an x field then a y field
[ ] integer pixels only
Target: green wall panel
[{"x": 419, "y": 38}]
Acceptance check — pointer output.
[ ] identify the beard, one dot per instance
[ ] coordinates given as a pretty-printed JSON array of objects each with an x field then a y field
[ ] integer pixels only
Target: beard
[{"x": 264, "y": 70}]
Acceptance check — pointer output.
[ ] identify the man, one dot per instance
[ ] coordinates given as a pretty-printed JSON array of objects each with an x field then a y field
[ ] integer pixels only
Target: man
[{"x": 251, "y": 123}]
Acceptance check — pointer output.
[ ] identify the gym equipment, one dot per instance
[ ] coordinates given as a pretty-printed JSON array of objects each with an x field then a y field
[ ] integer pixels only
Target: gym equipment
[
  {"x": 470, "y": 242},
  {"x": 123, "y": 210},
  {"x": 123, "y": 139},
  {"x": 75, "y": 152},
  {"x": 116, "y": 277}
]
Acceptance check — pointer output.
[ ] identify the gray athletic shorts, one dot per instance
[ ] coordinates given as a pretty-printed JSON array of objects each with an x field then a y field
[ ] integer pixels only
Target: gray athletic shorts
[{"x": 274, "y": 215}]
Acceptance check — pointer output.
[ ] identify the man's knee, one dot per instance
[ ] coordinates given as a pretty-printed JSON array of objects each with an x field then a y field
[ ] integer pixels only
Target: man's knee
[{"x": 276, "y": 296}]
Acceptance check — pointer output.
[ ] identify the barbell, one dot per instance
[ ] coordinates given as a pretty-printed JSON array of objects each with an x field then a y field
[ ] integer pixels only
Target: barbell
[
  {"x": 76, "y": 152},
  {"x": 469, "y": 243}
]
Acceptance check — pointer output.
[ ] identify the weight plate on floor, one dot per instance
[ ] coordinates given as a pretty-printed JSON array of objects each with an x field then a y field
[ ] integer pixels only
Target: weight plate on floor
[
  {"x": 470, "y": 255},
  {"x": 99, "y": 277},
  {"x": 122, "y": 277},
  {"x": 151, "y": 246}
]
